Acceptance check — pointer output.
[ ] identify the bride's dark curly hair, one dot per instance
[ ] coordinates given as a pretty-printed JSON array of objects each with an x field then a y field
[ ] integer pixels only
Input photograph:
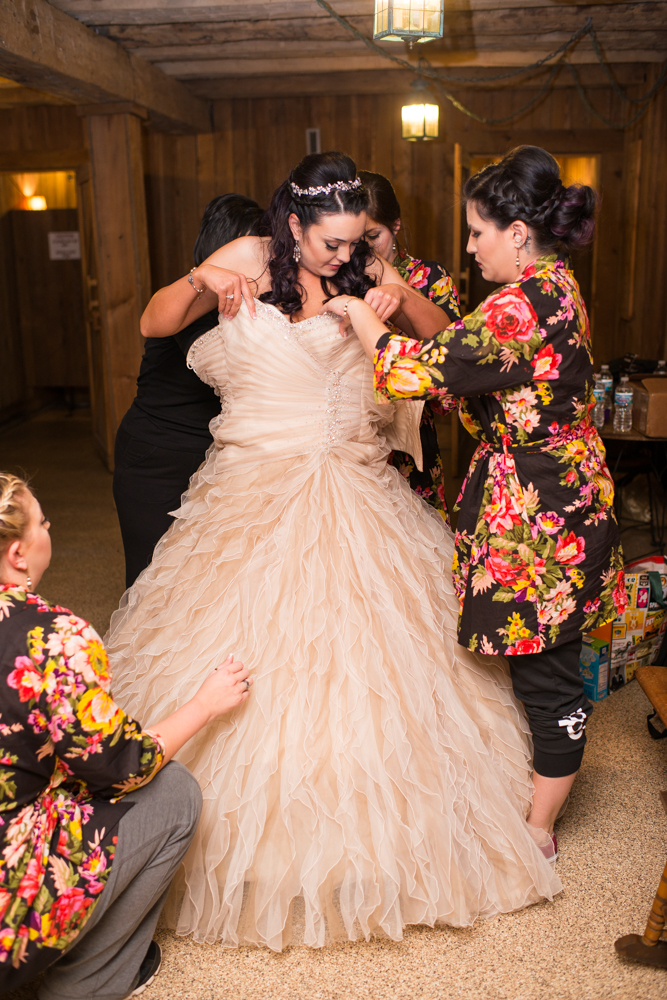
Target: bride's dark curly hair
[
  {"x": 315, "y": 170},
  {"x": 526, "y": 185}
]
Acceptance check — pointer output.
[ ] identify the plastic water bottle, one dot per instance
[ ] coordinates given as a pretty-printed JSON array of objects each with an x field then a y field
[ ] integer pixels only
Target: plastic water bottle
[
  {"x": 661, "y": 369},
  {"x": 598, "y": 410},
  {"x": 606, "y": 379},
  {"x": 623, "y": 406}
]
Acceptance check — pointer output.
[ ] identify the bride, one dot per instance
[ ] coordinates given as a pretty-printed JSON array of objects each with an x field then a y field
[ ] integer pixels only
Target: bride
[{"x": 379, "y": 775}]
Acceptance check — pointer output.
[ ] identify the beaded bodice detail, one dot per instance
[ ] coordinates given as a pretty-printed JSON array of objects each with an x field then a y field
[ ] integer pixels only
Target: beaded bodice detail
[{"x": 289, "y": 389}]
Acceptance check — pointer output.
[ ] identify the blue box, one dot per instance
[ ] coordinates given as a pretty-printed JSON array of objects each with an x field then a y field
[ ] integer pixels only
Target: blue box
[{"x": 594, "y": 668}]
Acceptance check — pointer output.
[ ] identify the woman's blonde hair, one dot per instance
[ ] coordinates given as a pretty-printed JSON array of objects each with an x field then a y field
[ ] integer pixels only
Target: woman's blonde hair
[{"x": 14, "y": 517}]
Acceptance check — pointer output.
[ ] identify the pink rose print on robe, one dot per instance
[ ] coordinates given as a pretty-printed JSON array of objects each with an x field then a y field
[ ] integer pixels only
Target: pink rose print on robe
[
  {"x": 546, "y": 363},
  {"x": 510, "y": 316}
]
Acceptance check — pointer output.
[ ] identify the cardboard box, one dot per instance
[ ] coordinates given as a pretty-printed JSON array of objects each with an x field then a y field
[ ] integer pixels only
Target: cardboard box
[
  {"x": 649, "y": 407},
  {"x": 594, "y": 667}
]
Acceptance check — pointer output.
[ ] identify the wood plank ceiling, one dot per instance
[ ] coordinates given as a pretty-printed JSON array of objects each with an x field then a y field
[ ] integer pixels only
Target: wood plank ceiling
[{"x": 227, "y": 47}]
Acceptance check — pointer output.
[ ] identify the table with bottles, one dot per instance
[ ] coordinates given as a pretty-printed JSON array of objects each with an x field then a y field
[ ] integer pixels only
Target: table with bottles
[{"x": 630, "y": 452}]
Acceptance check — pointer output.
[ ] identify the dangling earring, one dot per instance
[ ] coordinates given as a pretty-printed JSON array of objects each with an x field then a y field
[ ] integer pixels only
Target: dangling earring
[
  {"x": 518, "y": 262},
  {"x": 29, "y": 584},
  {"x": 297, "y": 251},
  {"x": 393, "y": 247}
]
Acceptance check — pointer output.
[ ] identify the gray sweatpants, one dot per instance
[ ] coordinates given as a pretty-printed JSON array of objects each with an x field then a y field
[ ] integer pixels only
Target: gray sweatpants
[{"x": 153, "y": 837}]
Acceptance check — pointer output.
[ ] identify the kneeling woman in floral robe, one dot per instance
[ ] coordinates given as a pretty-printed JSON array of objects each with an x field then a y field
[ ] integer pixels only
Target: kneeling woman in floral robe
[
  {"x": 87, "y": 851},
  {"x": 538, "y": 558}
]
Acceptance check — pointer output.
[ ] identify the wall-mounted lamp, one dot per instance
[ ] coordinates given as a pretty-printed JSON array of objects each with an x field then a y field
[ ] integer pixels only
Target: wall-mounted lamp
[
  {"x": 409, "y": 20},
  {"x": 419, "y": 120},
  {"x": 37, "y": 203}
]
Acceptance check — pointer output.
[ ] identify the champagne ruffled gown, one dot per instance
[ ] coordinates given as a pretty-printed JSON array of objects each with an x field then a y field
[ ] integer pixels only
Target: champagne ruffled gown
[{"x": 378, "y": 775}]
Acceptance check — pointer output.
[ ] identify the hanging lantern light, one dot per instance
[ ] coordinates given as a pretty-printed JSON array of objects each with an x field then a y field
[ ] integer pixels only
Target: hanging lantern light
[
  {"x": 419, "y": 119},
  {"x": 409, "y": 20}
]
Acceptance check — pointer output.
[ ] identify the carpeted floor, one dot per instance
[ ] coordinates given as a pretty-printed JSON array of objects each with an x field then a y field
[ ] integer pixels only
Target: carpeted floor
[{"x": 613, "y": 838}]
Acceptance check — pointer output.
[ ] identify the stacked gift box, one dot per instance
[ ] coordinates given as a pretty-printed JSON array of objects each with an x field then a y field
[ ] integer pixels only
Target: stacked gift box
[{"x": 610, "y": 655}]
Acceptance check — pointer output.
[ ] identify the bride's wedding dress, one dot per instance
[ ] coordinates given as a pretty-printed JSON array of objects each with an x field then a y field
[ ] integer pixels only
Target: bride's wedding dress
[{"x": 378, "y": 775}]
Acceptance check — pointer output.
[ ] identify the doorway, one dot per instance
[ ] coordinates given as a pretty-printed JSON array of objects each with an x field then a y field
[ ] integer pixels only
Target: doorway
[{"x": 42, "y": 330}]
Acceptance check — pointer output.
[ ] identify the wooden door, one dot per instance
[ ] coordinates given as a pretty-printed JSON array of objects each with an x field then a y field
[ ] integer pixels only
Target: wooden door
[
  {"x": 48, "y": 289},
  {"x": 99, "y": 402}
]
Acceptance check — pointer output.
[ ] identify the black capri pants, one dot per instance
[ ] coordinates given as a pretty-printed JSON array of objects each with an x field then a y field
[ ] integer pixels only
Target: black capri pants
[
  {"x": 552, "y": 690},
  {"x": 147, "y": 483}
]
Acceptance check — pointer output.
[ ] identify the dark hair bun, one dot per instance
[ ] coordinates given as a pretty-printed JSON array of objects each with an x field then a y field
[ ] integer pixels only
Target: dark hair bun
[
  {"x": 526, "y": 185},
  {"x": 573, "y": 217}
]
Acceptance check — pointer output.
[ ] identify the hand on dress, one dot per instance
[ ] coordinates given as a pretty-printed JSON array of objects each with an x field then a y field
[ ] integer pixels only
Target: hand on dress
[
  {"x": 383, "y": 303},
  {"x": 385, "y": 300},
  {"x": 224, "y": 689},
  {"x": 230, "y": 287}
]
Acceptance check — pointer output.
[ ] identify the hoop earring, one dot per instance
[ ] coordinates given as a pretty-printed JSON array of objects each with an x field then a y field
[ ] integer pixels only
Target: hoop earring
[{"x": 296, "y": 253}]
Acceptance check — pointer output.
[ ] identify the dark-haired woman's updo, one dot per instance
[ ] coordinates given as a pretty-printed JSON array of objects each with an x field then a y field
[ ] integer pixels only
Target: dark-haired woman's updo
[
  {"x": 526, "y": 186},
  {"x": 322, "y": 184},
  {"x": 383, "y": 204}
]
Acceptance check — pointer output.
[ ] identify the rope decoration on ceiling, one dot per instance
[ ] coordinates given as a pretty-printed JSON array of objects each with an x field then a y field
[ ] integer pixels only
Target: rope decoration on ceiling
[{"x": 425, "y": 71}]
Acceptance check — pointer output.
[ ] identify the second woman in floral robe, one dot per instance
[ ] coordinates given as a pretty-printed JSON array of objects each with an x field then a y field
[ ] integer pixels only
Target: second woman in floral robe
[
  {"x": 433, "y": 281},
  {"x": 538, "y": 555}
]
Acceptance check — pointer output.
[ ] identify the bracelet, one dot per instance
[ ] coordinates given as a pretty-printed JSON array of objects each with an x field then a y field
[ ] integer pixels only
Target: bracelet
[{"x": 199, "y": 291}]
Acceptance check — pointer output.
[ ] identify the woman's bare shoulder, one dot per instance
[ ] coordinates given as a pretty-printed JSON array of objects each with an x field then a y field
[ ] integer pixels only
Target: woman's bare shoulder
[
  {"x": 248, "y": 255},
  {"x": 383, "y": 272}
]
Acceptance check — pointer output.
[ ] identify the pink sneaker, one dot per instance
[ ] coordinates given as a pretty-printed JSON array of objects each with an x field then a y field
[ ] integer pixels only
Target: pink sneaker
[
  {"x": 550, "y": 851},
  {"x": 546, "y": 842}
]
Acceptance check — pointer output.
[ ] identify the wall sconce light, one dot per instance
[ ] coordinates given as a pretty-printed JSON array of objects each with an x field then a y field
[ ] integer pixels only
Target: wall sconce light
[
  {"x": 419, "y": 120},
  {"x": 409, "y": 20},
  {"x": 36, "y": 203}
]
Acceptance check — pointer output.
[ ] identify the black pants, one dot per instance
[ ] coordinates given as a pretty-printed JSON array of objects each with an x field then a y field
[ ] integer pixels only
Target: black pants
[
  {"x": 552, "y": 690},
  {"x": 147, "y": 484}
]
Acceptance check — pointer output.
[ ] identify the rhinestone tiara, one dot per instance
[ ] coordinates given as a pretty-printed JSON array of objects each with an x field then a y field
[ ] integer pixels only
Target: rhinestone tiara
[{"x": 325, "y": 188}]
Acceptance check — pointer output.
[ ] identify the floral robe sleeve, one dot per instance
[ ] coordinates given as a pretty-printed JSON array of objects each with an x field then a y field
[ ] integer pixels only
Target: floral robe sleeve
[
  {"x": 538, "y": 555},
  {"x": 69, "y": 754},
  {"x": 434, "y": 282}
]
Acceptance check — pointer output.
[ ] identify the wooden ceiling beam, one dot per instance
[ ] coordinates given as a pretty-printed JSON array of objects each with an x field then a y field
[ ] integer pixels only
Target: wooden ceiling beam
[
  {"x": 393, "y": 82},
  {"x": 211, "y": 68},
  {"x": 291, "y": 51},
  {"x": 532, "y": 20},
  {"x": 45, "y": 49},
  {"x": 107, "y": 12}
]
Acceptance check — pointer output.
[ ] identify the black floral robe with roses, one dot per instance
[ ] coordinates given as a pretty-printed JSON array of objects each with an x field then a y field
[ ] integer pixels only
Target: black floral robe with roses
[
  {"x": 68, "y": 756},
  {"x": 538, "y": 557}
]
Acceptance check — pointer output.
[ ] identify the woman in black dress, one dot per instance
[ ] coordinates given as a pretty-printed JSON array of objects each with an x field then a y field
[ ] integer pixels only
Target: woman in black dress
[{"x": 163, "y": 437}]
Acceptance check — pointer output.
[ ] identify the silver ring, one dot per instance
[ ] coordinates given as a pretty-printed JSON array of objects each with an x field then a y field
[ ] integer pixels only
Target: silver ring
[
  {"x": 247, "y": 685},
  {"x": 229, "y": 296}
]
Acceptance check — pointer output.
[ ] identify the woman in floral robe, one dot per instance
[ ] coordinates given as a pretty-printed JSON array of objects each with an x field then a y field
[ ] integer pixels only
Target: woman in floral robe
[
  {"x": 435, "y": 283},
  {"x": 538, "y": 552},
  {"x": 69, "y": 756}
]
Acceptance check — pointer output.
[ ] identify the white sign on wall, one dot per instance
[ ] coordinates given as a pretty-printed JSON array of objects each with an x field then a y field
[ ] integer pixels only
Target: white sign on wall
[{"x": 64, "y": 246}]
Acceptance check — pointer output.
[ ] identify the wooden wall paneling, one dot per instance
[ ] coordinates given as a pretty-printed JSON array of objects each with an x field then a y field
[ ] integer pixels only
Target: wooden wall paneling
[
  {"x": 122, "y": 254},
  {"x": 647, "y": 328},
  {"x": 41, "y": 130},
  {"x": 607, "y": 260},
  {"x": 49, "y": 301},
  {"x": 207, "y": 188},
  {"x": 246, "y": 162},
  {"x": 631, "y": 189},
  {"x": 100, "y": 389},
  {"x": 224, "y": 146},
  {"x": 13, "y": 387},
  {"x": 187, "y": 215}
]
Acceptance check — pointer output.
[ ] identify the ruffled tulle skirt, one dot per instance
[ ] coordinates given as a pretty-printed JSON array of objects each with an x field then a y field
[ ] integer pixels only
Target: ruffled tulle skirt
[{"x": 379, "y": 774}]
